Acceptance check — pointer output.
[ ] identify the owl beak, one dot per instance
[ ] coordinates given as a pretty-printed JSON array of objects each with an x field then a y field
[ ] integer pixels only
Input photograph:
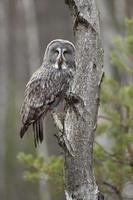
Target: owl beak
[{"x": 60, "y": 61}]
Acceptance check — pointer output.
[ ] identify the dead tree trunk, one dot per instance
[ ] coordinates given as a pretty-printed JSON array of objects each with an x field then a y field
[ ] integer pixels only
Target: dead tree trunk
[{"x": 78, "y": 170}]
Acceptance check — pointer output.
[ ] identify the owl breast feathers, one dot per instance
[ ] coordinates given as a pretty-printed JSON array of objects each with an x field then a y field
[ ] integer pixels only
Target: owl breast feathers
[{"x": 48, "y": 86}]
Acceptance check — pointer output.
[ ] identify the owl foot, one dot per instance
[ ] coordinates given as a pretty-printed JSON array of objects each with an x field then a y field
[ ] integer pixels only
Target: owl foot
[{"x": 73, "y": 98}]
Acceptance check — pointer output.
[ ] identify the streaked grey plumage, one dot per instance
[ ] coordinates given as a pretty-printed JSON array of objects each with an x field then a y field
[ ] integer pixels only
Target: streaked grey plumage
[{"x": 48, "y": 86}]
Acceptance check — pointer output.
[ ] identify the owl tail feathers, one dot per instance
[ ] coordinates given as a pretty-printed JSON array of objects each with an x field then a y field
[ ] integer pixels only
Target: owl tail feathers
[
  {"x": 38, "y": 131},
  {"x": 23, "y": 130}
]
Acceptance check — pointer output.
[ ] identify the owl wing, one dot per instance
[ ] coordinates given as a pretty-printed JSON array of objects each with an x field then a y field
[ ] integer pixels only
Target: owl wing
[{"x": 40, "y": 94}]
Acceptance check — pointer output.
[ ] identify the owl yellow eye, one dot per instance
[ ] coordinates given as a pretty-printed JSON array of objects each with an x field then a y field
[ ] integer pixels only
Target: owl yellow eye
[
  {"x": 65, "y": 51},
  {"x": 56, "y": 51}
]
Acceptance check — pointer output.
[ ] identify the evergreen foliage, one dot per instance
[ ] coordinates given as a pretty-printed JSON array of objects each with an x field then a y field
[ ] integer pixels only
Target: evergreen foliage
[
  {"x": 114, "y": 166},
  {"x": 47, "y": 170}
]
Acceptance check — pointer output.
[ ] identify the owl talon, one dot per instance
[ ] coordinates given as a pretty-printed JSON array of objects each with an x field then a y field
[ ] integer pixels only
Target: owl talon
[
  {"x": 73, "y": 99},
  {"x": 76, "y": 99}
]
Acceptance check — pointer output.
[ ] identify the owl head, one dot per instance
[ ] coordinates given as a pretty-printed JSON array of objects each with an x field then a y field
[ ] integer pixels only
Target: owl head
[{"x": 60, "y": 54}]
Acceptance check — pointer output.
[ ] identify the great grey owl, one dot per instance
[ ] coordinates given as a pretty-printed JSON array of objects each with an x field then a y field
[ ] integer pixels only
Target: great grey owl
[{"x": 48, "y": 86}]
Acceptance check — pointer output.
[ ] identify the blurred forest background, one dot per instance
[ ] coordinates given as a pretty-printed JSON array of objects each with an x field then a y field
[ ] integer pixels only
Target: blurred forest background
[{"x": 26, "y": 27}]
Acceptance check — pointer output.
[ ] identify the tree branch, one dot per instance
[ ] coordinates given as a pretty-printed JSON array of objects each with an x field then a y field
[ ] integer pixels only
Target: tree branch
[
  {"x": 114, "y": 156},
  {"x": 112, "y": 187},
  {"x": 62, "y": 139}
]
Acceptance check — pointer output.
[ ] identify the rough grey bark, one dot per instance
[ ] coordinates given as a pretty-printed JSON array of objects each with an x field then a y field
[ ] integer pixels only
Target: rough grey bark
[{"x": 78, "y": 170}]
